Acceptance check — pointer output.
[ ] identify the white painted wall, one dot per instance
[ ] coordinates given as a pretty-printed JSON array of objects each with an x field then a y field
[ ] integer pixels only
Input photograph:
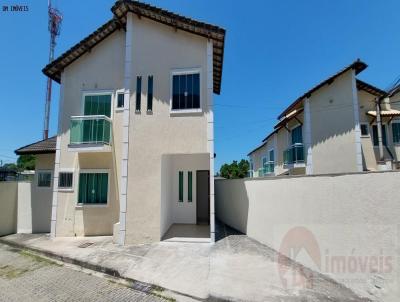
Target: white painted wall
[
  {"x": 8, "y": 207},
  {"x": 24, "y": 208},
  {"x": 353, "y": 216}
]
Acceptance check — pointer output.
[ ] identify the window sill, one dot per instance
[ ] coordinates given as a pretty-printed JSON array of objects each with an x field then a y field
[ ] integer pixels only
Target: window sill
[
  {"x": 66, "y": 190},
  {"x": 100, "y": 205},
  {"x": 119, "y": 109},
  {"x": 185, "y": 111}
]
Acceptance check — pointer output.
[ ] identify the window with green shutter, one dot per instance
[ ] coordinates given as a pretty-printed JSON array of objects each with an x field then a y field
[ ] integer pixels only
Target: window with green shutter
[
  {"x": 180, "y": 186},
  {"x": 375, "y": 135},
  {"x": 396, "y": 133},
  {"x": 93, "y": 188},
  {"x": 190, "y": 175}
]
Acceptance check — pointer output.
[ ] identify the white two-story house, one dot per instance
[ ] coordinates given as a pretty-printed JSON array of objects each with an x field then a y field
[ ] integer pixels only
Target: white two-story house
[
  {"x": 333, "y": 128},
  {"x": 134, "y": 154}
]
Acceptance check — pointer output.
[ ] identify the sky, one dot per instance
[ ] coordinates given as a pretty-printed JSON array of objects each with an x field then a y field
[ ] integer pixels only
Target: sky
[{"x": 274, "y": 52}]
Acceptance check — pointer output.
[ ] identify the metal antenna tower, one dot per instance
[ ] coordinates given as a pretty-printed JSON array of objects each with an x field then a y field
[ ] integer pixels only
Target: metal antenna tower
[{"x": 55, "y": 19}]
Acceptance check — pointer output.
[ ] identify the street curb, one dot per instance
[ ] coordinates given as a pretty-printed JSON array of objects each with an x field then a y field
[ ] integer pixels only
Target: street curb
[{"x": 135, "y": 284}]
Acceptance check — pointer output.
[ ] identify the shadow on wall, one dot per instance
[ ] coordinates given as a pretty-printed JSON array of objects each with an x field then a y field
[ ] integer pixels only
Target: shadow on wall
[{"x": 233, "y": 214}]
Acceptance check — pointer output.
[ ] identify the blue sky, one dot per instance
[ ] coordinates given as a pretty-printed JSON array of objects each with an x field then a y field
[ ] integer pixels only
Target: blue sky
[{"x": 275, "y": 51}]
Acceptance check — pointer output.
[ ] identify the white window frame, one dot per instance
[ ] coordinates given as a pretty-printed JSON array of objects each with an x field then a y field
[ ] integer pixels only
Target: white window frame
[
  {"x": 185, "y": 71},
  {"x": 290, "y": 133},
  {"x": 93, "y": 171},
  {"x": 119, "y": 91},
  {"x": 369, "y": 130},
  {"x": 269, "y": 155},
  {"x": 67, "y": 170},
  {"x": 37, "y": 179},
  {"x": 391, "y": 131},
  {"x": 98, "y": 92},
  {"x": 251, "y": 167}
]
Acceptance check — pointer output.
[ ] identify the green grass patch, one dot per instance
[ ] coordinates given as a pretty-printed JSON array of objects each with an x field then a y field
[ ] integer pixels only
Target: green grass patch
[
  {"x": 10, "y": 272},
  {"x": 38, "y": 259}
]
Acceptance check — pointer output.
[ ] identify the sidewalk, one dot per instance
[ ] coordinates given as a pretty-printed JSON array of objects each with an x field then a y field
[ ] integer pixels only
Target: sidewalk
[{"x": 236, "y": 268}]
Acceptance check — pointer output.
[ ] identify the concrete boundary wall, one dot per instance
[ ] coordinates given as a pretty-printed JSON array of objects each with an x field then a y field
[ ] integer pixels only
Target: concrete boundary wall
[
  {"x": 346, "y": 226},
  {"x": 8, "y": 207}
]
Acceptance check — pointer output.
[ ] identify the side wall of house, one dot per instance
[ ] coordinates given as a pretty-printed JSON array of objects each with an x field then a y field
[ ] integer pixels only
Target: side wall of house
[
  {"x": 101, "y": 69},
  {"x": 333, "y": 136},
  {"x": 157, "y": 51}
]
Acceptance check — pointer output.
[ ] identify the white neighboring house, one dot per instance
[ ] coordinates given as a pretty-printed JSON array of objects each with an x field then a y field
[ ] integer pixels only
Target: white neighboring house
[
  {"x": 333, "y": 128},
  {"x": 134, "y": 151}
]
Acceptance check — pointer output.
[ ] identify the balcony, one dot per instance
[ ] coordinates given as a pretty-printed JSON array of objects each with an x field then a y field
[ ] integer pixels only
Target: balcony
[
  {"x": 293, "y": 157},
  {"x": 90, "y": 133}
]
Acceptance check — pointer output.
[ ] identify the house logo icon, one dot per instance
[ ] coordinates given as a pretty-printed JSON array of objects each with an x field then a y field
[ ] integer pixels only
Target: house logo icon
[{"x": 298, "y": 244}]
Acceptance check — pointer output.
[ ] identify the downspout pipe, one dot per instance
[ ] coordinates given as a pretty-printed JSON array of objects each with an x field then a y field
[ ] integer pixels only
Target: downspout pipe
[{"x": 379, "y": 128}]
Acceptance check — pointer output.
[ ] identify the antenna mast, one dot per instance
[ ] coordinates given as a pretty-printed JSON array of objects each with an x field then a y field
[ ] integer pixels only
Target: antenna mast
[{"x": 55, "y": 19}]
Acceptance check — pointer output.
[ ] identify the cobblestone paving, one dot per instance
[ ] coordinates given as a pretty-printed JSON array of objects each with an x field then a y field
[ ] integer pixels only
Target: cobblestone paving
[{"x": 25, "y": 277}]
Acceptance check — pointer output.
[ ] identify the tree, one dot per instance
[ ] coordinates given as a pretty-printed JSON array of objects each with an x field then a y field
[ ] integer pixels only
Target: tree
[
  {"x": 26, "y": 162},
  {"x": 235, "y": 169}
]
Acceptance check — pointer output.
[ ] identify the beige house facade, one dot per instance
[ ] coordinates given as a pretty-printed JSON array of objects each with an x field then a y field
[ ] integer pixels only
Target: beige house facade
[
  {"x": 333, "y": 128},
  {"x": 134, "y": 154}
]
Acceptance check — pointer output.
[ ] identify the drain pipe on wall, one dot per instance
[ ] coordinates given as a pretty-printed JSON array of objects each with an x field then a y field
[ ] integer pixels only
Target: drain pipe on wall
[{"x": 379, "y": 128}]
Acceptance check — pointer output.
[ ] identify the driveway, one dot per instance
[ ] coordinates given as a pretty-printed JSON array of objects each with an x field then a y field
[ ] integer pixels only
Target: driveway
[{"x": 235, "y": 268}]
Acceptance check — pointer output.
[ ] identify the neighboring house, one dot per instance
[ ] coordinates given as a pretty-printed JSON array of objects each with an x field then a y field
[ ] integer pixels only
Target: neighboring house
[
  {"x": 332, "y": 128},
  {"x": 134, "y": 154}
]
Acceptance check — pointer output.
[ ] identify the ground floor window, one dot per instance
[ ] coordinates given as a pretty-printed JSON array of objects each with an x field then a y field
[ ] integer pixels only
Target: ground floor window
[
  {"x": 180, "y": 186},
  {"x": 65, "y": 180},
  {"x": 375, "y": 135},
  {"x": 396, "y": 133},
  {"x": 93, "y": 188},
  {"x": 190, "y": 180},
  {"x": 44, "y": 179}
]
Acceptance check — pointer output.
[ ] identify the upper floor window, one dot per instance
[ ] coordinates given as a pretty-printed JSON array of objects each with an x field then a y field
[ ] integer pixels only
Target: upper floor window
[
  {"x": 297, "y": 135},
  {"x": 120, "y": 100},
  {"x": 138, "y": 93},
  {"x": 271, "y": 154},
  {"x": 97, "y": 104},
  {"x": 186, "y": 90},
  {"x": 150, "y": 93}
]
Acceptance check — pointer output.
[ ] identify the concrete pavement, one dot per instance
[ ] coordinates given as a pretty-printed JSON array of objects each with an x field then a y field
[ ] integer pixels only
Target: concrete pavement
[
  {"x": 26, "y": 277},
  {"x": 236, "y": 268}
]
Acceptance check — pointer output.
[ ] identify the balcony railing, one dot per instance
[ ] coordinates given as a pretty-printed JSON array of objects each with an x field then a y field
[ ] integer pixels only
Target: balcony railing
[
  {"x": 294, "y": 154},
  {"x": 90, "y": 129}
]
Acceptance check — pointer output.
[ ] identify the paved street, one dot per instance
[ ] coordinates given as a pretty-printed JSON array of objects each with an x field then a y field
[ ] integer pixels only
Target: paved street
[{"x": 25, "y": 277}]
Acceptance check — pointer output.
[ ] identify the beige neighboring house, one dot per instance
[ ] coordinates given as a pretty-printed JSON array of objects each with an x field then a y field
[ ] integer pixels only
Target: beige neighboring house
[
  {"x": 134, "y": 151},
  {"x": 333, "y": 128}
]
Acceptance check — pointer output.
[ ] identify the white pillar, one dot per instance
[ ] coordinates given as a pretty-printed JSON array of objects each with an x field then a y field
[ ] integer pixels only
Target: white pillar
[
  {"x": 307, "y": 137},
  {"x": 357, "y": 130},
  {"x": 210, "y": 134},
  {"x": 125, "y": 129},
  {"x": 54, "y": 202}
]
